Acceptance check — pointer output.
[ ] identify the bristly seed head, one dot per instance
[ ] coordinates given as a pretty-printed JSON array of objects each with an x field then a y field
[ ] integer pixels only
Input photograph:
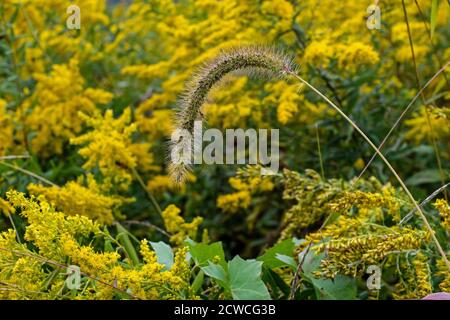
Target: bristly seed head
[{"x": 253, "y": 60}]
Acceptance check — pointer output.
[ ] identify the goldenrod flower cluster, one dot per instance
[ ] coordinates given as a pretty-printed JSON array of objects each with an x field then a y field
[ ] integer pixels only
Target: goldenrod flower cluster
[
  {"x": 52, "y": 111},
  {"x": 310, "y": 195},
  {"x": 444, "y": 284},
  {"x": 178, "y": 227},
  {"x": 428, "y": 123},
  {"x": 109, "y": 147},
  {"x": 350, "y": 56},
  {"x": 444, "y": 211},
  {"x": 369, "y": 203},
  {"x": 76, "y": 199},
  {"x": 60, "y": 238},
  {"x": 352, "y": 255}
]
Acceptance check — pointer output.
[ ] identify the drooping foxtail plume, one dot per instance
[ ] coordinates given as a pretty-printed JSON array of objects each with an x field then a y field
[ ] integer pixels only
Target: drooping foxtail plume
[{"x": 253, "y": 60}]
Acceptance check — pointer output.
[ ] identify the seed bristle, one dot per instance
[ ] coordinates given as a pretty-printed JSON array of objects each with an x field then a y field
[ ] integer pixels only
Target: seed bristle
[{"x": 260, "y": 61}]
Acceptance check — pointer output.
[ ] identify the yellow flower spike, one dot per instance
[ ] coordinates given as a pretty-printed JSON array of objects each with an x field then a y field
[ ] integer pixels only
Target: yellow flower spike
[{"x": 47, "y": 226}]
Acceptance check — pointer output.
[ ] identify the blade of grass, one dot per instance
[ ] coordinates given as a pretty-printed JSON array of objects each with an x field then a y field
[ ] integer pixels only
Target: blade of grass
[
  {"x": 149, "y": 194},
  {"x": 29, "y": 173},
  {"x": 63, "y": 266},
  {"x": 123, "y": 235},
  {"x": 416, "y": 73},
  {"x": 13, "y": 157},
  {"x": 433, "y": 18}
]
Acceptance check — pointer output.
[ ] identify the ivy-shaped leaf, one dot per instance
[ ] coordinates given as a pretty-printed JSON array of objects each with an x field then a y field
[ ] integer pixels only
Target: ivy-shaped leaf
[
  {"x": 241, "y": 279},
  {"x": 245, "y": 280},
  {"x": 202, "y": 253}
]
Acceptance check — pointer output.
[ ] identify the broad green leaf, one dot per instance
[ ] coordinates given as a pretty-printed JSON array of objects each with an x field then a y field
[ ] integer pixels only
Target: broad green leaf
[
  {"x": 434, "y": 13},
  {"x": 269, "y": 258},
  {"x": 217, "y": 272},
  {"x": 245, "y": 280},
  {"x": 275, "y": 281},
  {"x": 425, "y": 176},
  {"x": 202, "y": 253},
  {"x": 164, "y": 253}
]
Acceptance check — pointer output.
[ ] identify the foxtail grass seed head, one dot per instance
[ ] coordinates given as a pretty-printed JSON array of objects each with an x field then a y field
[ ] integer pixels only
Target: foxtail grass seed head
[{"x": 252, "y": 60}]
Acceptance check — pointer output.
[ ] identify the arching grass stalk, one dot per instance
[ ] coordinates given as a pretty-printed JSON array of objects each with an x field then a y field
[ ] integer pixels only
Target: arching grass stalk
[
  {"x": 29, "y": 173},
  {"x": 256, "y": 60},
  {"x": 405, "y": 188},
  {"x": 147, "y": 191},
  {"x": 13, "y": 157},
  {"x": 432, "y": 137}
]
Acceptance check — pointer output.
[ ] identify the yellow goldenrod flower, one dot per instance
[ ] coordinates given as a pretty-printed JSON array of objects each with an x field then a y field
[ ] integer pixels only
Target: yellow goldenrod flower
[
  {"x": 444, "y": 211},
  {"x": 425, "y": 126},
  {"x": 52, "y": 111},
  {"x": 109, "y": 146},
  {"x": 73, "y": 198}
]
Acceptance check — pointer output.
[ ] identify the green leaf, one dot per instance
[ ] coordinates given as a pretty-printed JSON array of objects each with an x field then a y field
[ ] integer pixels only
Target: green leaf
[
  {"x": 164, "y": 253},
  {"x": 245, "y": 280},
  {"x": 202, "y": 253},
  {"x": 108, "y": 245},
  {"x": 198, "y": 281},
  {"x": 434, "y": 13},
  {"x": 425, "y": 176},
  {"x": 241, "y": 278},
  {"x": 269, "y": 258},
  {"x": 124, "y": 239}
]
